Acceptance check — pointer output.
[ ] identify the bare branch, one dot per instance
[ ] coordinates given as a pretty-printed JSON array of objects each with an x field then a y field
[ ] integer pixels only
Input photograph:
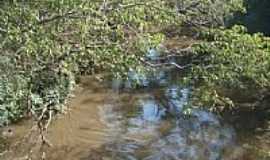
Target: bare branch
[{"x": 156, "y": 65}]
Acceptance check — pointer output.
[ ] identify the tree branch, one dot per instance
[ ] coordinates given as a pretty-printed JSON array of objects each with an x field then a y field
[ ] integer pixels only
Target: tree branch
[{"x": 156, "y": 65}]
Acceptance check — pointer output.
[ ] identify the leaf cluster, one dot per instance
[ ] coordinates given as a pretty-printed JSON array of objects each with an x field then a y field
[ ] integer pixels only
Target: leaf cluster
[{"x": 233, "y": 59}]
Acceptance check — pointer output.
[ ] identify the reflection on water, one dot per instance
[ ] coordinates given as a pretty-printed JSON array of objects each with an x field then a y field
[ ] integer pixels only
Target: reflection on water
[
  {"x": 142, "y": 125},
  {"x": 151, "y": 135}
]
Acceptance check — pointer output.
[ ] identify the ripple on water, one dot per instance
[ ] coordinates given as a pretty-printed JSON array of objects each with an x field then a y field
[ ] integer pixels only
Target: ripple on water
[
  {"x": 143, "y": 125},
  {"x": 149, "y": 134}
]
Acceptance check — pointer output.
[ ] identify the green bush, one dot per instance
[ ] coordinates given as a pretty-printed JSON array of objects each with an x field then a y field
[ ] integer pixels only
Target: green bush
[
  {"x": 44, "y": 45},
  {"x": 233, "y": 59},
  {"x": 13, "y": 88},
  {"x": 210, "y": 13}
]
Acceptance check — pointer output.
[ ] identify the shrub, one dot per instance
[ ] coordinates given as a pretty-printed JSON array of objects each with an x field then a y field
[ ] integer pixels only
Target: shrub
[{"x": 232, "y": 58}]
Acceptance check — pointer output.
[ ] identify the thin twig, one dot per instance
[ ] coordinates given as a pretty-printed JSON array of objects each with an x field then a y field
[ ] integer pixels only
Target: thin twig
[{"x": 56, "y": 17}]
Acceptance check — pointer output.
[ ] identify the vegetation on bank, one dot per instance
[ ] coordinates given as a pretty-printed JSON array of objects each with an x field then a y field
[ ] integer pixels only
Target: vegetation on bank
[
  {"x": 46, "y": 45},
  {"x": 233, "y": 60}
]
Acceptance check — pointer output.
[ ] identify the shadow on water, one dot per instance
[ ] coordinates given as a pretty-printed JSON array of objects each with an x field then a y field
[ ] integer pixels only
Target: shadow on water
[
  {"x": 257, "y": 18},
  {"x": 112, "y": 121}
]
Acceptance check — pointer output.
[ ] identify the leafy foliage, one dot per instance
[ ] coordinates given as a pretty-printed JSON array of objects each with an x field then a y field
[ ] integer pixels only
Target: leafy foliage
[
  {"x": 232, "y": 58},
  {"x": 46, "y": 44},
  {"x": 210, "y": 13}
]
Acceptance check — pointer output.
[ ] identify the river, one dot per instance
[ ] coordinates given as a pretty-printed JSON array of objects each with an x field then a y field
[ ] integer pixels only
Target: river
[{"x": 110, "y": 120}]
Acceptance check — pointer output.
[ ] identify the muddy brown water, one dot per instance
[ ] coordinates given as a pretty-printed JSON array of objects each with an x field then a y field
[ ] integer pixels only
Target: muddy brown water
[
  {"x": 104, "y": 123},
  {"x": 112, "y": 121}
]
